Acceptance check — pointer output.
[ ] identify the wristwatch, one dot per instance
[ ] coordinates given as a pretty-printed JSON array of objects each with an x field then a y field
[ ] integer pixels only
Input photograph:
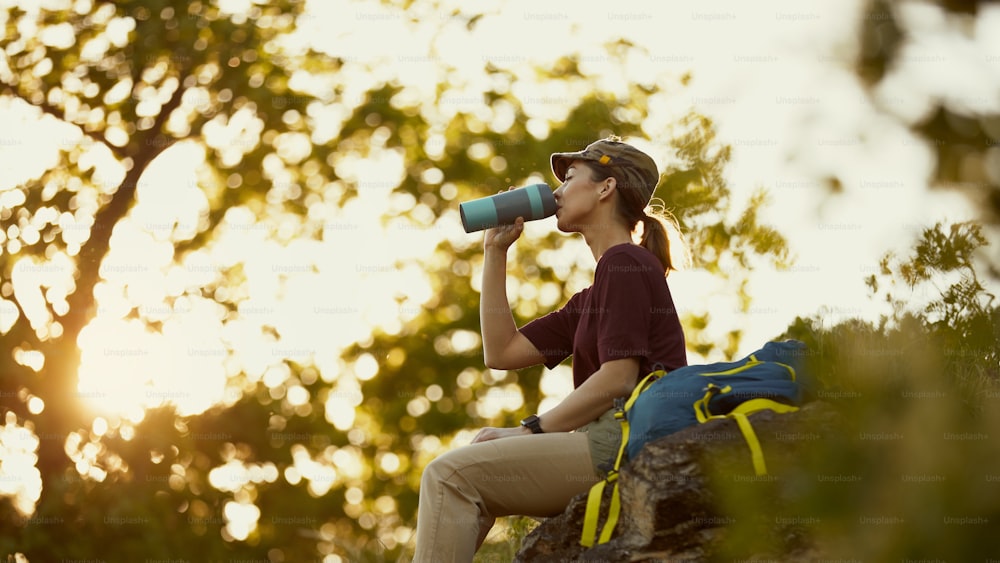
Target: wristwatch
[{"x": 533, "y": 423}]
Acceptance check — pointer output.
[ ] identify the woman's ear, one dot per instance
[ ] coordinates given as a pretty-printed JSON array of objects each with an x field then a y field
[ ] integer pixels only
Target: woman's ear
[{"x": 608, "y": 186}]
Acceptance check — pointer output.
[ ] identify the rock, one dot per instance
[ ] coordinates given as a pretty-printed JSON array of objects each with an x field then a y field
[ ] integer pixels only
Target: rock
[{"x": 671, "y": 506}]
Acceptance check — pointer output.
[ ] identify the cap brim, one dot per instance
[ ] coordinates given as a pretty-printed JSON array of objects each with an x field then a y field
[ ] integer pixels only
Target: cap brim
[{"x": 561, "y": 160}]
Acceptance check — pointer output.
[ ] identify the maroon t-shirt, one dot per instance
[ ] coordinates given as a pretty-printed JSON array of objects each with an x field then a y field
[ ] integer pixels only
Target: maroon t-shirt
[{"x": 626, "y": 313}]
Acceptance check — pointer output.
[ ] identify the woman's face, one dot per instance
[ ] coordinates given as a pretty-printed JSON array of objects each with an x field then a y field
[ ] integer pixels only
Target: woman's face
[{"x": 576, "y": 198}]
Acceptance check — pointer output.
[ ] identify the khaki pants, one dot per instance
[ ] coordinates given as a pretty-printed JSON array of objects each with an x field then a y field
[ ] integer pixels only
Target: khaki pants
[{"x": 464, "y": 490}]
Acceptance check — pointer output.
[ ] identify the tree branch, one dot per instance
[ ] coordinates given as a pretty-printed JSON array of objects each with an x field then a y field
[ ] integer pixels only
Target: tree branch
[{"x": 161, "y": 119}]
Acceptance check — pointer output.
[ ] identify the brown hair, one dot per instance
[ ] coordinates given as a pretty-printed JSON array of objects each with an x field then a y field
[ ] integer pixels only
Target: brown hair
[{"x": 657, "y": 224}]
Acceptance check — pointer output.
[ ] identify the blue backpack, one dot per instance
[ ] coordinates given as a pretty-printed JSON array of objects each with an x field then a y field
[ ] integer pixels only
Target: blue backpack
[{"x": 771, "y": 378}]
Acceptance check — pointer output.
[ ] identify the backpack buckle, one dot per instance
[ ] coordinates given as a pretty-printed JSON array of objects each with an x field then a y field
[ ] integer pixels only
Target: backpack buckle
[{"x": 620, "y": 408}]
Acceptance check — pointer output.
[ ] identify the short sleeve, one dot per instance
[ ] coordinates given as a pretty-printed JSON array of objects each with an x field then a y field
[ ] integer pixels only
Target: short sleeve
[
  {"x": 624, "y": 302},
  {"x": 553, "y": 333}
]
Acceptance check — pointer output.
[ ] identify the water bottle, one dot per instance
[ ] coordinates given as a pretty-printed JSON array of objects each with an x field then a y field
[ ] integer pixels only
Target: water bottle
[{"x": 531, "y": 202}]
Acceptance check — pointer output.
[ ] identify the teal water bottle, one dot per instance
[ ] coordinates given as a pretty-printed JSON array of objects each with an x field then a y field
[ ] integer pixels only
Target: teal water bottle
[{"x": 531, "y": 202}]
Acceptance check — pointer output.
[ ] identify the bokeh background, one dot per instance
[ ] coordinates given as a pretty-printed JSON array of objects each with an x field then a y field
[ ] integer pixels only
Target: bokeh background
[{"x": 239, "y": 313}]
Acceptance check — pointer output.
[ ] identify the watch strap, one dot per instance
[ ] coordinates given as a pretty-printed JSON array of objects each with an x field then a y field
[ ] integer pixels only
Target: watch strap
[{"x": 533, "y": 423}]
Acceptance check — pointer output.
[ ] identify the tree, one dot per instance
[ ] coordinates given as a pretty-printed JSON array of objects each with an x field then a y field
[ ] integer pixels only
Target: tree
[
  {"x": 128, "y": 80},
  {"x": 300, "y": 444}
]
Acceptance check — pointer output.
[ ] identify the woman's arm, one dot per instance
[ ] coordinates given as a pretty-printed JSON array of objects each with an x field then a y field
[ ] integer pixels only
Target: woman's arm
[
  {"x": 504, "y": 347},
  {"x": 614, "y": 379}
]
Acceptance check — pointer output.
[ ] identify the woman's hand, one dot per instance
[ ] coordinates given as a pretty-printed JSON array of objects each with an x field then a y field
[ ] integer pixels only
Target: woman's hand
[
  {"x": 503, "y": 236},
  {"x": 487, "y": 434}
]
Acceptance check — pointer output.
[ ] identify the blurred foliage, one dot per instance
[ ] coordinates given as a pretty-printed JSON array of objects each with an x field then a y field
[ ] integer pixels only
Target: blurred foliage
[
  {"x": 910, "y": 474},
  {"x": 964, "y": 139}
]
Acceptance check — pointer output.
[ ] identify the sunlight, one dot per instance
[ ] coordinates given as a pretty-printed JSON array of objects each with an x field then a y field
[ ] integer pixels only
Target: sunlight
[
  {"x": 295, "y": 287},
  {"x": 341, "y": 402},
  {"x": 555, "y": 385},
  {"x": 36, "y": 285},
  {"x": 496, "y": 400},
  {"x": 91, "y": 457},
  {"x": 241, "y": 519},
  {"x": 20, "y": 480},
  {"x": 235, "y": 475}
]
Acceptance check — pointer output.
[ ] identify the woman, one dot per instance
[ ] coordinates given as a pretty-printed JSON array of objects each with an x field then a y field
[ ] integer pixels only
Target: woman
[{"x": 616, "y": 330}]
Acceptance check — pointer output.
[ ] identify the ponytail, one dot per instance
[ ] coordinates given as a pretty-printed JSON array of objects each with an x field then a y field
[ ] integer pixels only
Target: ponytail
[
  {"x": 661, "y": 236},
  {"x": 654, "y": 239}
]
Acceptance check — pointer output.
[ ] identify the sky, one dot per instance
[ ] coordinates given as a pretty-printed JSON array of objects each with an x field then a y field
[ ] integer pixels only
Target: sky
[{"x": 775, "y": 77}]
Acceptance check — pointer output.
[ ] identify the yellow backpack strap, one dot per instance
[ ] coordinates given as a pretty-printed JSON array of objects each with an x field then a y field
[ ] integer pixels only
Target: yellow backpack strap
[
  {"x": 756, "y": 453},
  {"x": 593, "y": 512},
  {"x": 753, "y": 405},
  {"x": 609, "y": 526},
  {"x": 596, "y": 492},
  {"x": 739, "y": 414}
]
